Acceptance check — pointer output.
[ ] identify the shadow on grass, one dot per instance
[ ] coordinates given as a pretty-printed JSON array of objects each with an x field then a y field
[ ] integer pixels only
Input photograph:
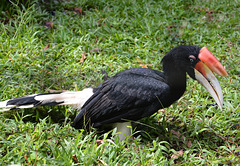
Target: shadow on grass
[{"x": 177, "y": 133}]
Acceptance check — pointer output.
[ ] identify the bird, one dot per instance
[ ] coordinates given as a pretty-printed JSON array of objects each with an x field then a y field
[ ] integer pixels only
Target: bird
[{"x": 135, "y": 93}]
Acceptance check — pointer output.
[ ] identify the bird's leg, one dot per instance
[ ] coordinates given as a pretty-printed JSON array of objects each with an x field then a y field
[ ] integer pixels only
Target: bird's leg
[{"x": 123, "y": 130}]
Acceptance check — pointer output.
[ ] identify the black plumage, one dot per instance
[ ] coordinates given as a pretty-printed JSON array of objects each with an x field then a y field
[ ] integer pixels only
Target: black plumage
[
  {"x": 134, "y": 93},
  {"x": 30, "y": 100},
  {"x": 139, "y": 92}
]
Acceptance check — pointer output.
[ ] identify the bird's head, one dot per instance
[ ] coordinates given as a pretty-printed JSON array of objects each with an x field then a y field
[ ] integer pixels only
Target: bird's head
[{"x": 200, "y": 64}]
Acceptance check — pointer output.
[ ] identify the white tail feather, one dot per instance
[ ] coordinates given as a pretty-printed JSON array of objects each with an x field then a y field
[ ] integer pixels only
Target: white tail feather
[{"x": 75, "y": 99}]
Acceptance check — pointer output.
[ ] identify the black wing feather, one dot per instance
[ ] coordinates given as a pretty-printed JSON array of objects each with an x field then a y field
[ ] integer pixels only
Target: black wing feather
[{"x": 131, "y": 94}]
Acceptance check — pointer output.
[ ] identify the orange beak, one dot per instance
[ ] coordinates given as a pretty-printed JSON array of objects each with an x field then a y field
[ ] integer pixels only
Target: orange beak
[
  {"x": 214, "y": 65},
  {"x": 204, "y": 74}
]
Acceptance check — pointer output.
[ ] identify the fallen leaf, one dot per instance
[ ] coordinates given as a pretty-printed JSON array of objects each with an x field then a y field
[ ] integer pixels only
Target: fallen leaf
[
  {"x": 162, "y": 110},
  {"x": 99, "y": 142},
  {"x": 78, "y": 10},
  {"x": 49, "y": 24},
  {"x": 177, "y": 155},
  {"x": 83, "y": 57},
  {"x": 189, "y": 144},
  {"x": 74, "y": 157},
  {"x": 141, "y": 63},
  {"x": 46, "y": 47},
  {"x": 143, "y": 66}
]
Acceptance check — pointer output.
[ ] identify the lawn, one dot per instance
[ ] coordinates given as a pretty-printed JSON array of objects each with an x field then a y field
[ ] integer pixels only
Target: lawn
[{"x": 72, "y": 45}]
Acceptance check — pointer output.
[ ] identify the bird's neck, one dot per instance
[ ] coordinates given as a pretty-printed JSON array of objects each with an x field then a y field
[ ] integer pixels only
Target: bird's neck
[
  {"x": 177, "y": 82},
  {"x": 175, "y": 77}
]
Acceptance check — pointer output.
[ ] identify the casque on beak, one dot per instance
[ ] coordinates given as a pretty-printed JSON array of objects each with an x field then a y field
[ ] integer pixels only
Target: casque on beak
[{"x": 204, "y": 74}]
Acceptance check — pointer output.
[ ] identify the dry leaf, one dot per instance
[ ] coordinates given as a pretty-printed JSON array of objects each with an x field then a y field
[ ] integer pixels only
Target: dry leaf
[
  {"x": 49, "y": 24},
  {"x": 162, "y": 110},
  {"x": 177, "y": 155},
  {"x": 189, "y": 144},
  {"x": 46, "y": 47},
  {"x": 83, "y": 57},
  {"x": 141, "y": 63},
  {"x": 75, "y": 160},
  {"x": 78, "y": 10},
  {"x": 74, "y": 157},
  {"x": 99, "y": 142},
  {"x": 143, "y": 66}
]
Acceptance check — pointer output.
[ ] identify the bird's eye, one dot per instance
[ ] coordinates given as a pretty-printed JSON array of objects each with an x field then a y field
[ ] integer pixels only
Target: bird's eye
[{"x": 192, "y": 58}]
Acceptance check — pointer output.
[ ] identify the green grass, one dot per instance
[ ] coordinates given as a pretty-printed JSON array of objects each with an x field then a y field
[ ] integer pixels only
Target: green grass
[{"x": 34, "y": 57}]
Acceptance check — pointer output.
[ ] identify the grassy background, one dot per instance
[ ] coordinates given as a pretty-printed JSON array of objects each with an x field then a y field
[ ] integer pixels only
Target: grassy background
[{"x": 71, "y": 45}]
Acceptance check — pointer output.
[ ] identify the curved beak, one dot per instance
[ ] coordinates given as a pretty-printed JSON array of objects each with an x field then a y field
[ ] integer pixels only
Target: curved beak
[{"x": 204, "y": 74}]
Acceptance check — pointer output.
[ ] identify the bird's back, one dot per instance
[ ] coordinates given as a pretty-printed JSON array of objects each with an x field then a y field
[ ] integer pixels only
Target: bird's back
[{"x": 131, "y": 94}]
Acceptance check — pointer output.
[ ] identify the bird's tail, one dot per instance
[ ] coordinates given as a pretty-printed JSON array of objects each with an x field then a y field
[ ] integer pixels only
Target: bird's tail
[{"x": 75, "y": 99}]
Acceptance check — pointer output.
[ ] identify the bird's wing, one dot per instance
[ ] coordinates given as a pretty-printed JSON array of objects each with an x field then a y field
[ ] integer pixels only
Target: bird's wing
[{"x": 131, "y": 94}]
